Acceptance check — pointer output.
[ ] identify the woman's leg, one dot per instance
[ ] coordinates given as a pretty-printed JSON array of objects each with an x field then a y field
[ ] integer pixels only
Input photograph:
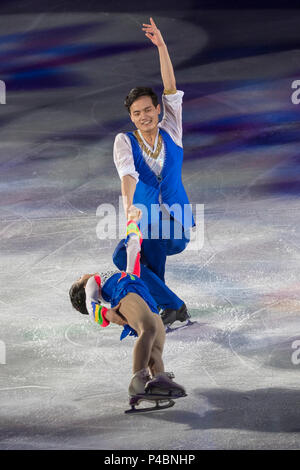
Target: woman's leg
[
  {"x": 148, "y": 348},
  {"x": 156, "y": 364},
  {"x": 144, "y": 322}
]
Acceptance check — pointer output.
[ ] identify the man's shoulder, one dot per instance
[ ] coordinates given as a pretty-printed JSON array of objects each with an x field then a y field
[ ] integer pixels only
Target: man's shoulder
[{"x": 121, "y": 136}]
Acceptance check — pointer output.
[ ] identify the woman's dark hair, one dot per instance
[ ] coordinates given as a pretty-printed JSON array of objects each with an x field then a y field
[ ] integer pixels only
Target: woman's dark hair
[
  {"x": 136, "y": 93},
  {"x": 77, "y": 297}
]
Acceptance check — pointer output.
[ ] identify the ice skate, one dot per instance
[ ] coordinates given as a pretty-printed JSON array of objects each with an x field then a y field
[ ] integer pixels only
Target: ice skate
[
  {"x": 182, "y": 313},
  {"x": 138, "y": 382},
  {"x": 161, "y": 390},
  {"x": 169, "y": 316},
  {"x": 163, "y": 384},
  {"x": 159, "y": 403}
]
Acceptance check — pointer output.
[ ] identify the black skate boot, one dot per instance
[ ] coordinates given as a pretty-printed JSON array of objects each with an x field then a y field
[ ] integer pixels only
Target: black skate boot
[
  {"x": 169, "y": 315},
  {"x": 182, "y": 313}
]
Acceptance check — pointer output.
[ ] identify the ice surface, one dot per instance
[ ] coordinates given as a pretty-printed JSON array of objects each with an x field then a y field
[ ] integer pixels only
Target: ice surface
[{"x": 64, "y": 382}]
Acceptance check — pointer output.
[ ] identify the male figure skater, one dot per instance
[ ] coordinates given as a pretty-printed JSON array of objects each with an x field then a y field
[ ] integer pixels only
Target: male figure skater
[
  {"x": 133, "y": 308},
  {"x": 149, "y": 162}
]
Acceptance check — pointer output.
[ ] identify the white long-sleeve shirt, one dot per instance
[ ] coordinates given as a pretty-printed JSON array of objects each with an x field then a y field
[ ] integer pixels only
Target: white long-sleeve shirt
[{"x": 171, "y": 123}]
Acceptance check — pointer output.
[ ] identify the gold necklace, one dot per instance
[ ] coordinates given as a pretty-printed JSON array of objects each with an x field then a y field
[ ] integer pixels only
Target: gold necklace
[{"x": 146, "y": 150}]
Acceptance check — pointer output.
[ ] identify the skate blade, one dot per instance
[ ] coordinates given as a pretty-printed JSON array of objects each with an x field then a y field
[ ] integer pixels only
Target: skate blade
[
  {"x": 157, "y": 407},
  {"x": 158, "y": 397},
  {"x": 188, "y": 323}
]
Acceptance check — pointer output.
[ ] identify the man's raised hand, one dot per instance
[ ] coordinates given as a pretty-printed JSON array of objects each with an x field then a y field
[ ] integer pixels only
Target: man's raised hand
[{"x": 153, "y": 33}]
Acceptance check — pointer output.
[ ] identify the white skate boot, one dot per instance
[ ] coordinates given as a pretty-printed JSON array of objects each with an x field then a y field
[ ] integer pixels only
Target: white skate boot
[
  {"x": 163, "y": 384},
  {"x": 138, "y": 382}
]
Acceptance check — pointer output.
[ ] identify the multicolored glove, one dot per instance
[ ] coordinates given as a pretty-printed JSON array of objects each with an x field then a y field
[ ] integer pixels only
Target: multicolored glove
[
  {"x": 133, "y": 229},
  {"x": 99, "y": 312},
  {"x": 133, "y": 244}
]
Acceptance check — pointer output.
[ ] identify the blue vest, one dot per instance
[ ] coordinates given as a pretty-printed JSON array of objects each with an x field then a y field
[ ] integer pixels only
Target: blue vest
[{"x": 165, "y": 188}]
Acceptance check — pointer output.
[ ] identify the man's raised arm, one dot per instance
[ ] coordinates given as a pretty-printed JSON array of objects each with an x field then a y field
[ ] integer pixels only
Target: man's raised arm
[{"x": 166, "y": 67}]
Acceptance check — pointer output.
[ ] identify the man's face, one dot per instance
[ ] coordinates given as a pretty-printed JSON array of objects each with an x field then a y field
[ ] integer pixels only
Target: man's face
[{"x": 144, "y": 114}]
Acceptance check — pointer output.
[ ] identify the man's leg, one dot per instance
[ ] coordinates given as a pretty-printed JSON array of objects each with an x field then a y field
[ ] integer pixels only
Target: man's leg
[
  {"x": 165, "y": 239},
  {"x": 176, "y": 241},
  {"x": 153, "y": 255}
]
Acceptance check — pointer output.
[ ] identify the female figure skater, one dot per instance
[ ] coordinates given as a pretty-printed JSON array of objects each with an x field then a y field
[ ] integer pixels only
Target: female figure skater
[{"x": 133, "y": 308}]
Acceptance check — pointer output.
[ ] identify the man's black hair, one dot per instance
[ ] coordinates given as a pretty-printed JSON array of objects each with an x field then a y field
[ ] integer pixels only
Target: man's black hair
[
  {"x": 136, "y": 93},
  {"x": 77, "y": 297}
]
